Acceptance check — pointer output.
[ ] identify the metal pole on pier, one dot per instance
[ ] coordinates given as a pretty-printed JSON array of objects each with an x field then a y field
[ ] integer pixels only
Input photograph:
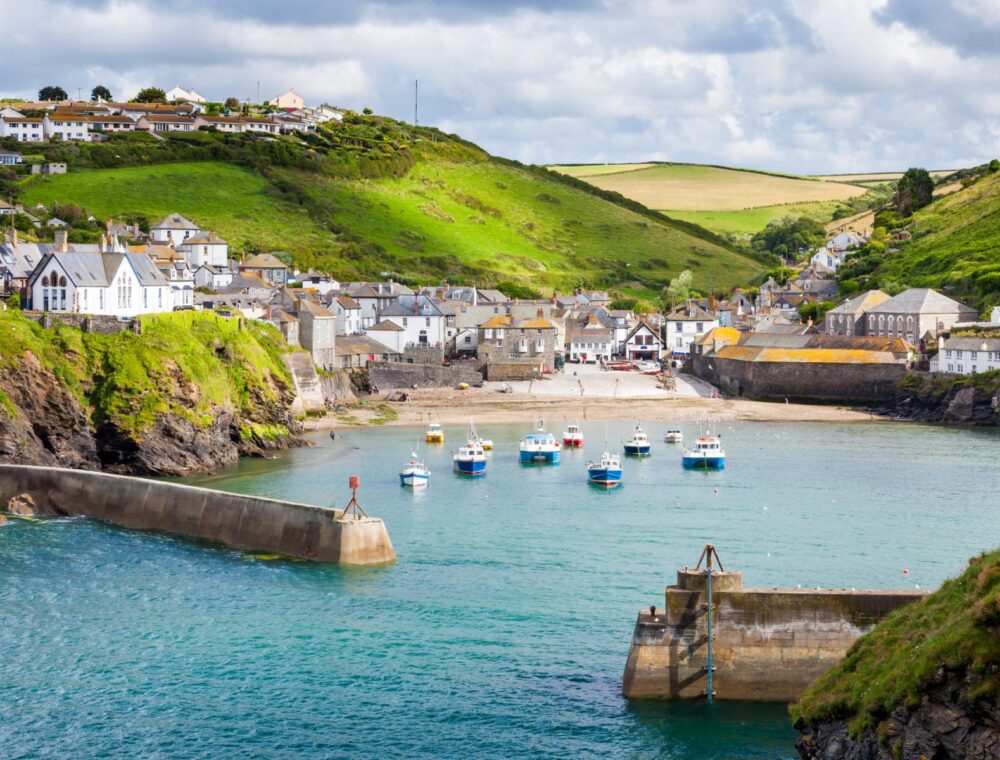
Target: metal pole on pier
[{"x": 709, "y": 554}]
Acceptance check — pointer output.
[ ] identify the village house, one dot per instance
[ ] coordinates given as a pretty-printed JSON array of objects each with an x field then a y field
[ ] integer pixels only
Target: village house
[
  {"x": 289, "y": 100},
  {"x": 213, "y": 278},
  {"x": 507, "y": 340},
  {"x": 317, "y": 332},
  {"x": 166, "y": 122},
  {"x": 174, "y": 229},
  {"x": 966, "y": 355},
  {"x": 8, "y": 158},
  {"x": 916, "y": 314},
  {"x": 684, "y": 323},
  {"x": 29, "y": 129},
  {"x": 374, "y": 297},
  {"x": 591, "y": 345},
  {"x": 268, "y": 266},
  {"x": 111, "y": 123},
  {"x": 249, "y": 306},
  {"x": 321, "y": 283},
  {"x": 179, "y": 93},
  {"x": 422, "y": 320},
  {"x": 348, "y": 313},
  {"x": 251, "y": 285},
  {"x": 204, "y": 247},
  {"x": 389, "y": 334}
]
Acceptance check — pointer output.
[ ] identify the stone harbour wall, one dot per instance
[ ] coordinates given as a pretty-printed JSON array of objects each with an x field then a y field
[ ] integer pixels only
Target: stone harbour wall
[
  {"x": 390, "y": 375},
  {"x": 248, "y": 523},
  {"x": 768, "y": 645}
]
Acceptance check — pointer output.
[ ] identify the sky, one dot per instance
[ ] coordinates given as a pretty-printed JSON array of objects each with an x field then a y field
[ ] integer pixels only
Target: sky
[{"x": 787, "y": 85}]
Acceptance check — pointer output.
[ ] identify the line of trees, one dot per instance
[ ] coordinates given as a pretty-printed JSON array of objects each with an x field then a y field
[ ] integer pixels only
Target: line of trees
[{"x": 55, "y": 92}]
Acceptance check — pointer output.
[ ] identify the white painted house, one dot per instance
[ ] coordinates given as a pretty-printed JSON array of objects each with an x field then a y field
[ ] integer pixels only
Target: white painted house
[
  {"x": 205, "y": 247},
  {"x": 289, "y": 100},
  {"x": 213, "y": 278},
  {"x": 348, "y": 312},
  {"x": 966, "y": 356},
  {"x": 422, "y": 320},
  {"x": 174, "y": 229},
  {"x": 592, "y": 345},
  {"x": 685, "y": 324},
  {"x": 190, "y": 96},
  {"x": 115, "y": 284}
]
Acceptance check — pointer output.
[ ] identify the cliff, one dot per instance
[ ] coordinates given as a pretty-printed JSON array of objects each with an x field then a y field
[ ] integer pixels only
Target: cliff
[
  {"x": 191, "y": 393},
  {"x": 923, "y": 684},
  {"x": 972, "y": 400}
]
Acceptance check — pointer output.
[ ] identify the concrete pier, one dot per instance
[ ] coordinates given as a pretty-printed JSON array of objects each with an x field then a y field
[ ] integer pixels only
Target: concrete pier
[
  {"x": 249, "y": 523},
  {"x": 768, "y": 645}
]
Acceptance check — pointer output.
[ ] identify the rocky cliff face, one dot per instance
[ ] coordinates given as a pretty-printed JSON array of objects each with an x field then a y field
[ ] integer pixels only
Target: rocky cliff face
[
  {"x": 45, "y": 424},
  {"x": 946, "y": 724},
  {"x": 971, "y": 401}
]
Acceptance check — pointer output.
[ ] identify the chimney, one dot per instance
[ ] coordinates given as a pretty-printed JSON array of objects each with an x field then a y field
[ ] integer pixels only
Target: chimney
[
  {"x": 102, "y": 244},
  {"x": 62, "y": 241},
  {"x": 13, "y": 236},
  {"x": 541, "y": 313}
]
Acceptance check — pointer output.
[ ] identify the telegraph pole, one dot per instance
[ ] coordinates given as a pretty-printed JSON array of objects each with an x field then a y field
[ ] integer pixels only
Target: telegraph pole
[{"x": 416, "y": 100}]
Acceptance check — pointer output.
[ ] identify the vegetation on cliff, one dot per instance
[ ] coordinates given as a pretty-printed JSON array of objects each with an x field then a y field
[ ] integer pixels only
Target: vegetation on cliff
[
  {"x": 954, "y": 245},
  {"x": 372, "y": 196},
  {"x": 956, "y": 629},
  {"x": 187, "y": 393}
]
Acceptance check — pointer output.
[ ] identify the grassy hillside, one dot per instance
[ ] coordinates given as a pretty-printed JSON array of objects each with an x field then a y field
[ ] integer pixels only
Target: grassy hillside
[
  {"x": 957, "y": 627},
  {"x": 227, "y": 197},
  {"x": 727, "y": 201},
  {"x": 373, "y": 196},
  {"x": 185, "y": 363},
  {"x": 955, "y": 245}
]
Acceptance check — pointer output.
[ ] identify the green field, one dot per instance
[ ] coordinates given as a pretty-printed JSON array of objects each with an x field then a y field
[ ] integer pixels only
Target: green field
[
  {"x": 745, "y": 222},
  {"x": 237, "y": 202},
  {"x": 596, "y": 170},
  {"x": 486, "y": 220}
]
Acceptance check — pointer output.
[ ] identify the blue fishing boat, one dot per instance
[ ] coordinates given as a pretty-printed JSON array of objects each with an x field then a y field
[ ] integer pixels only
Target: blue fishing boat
[
  {"x": 607, "y": 472},
  {"x": 540, "y": 447},
  {"x": 707, "y": 454},
  {"x": 414, "y": 474},
  {"x": 638, "y": 444},
  {"x": 470, "y": 459}
]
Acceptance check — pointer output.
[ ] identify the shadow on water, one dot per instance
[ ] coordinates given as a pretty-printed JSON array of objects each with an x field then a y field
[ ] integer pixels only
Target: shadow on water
[{"x": 719, "y": 730}]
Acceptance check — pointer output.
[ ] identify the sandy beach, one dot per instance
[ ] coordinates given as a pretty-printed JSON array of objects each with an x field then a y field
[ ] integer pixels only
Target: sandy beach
[{"x": 589, "y": 394}]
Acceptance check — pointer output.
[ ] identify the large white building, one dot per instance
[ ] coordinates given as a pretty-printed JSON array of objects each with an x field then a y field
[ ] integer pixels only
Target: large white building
[
  {"x": 174, "y": 229},
  {"x": 204, "y": 247},
  {"x": 685, "y": 324},
  {"x": 94, "y": 282},
  {"x": 421, "y": 318},
  {"x": 915, "y": 314}
]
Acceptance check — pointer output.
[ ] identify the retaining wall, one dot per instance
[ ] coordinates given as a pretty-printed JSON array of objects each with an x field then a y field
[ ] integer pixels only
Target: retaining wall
[
  {"x": 802, "y": 381},
  {"x": 389, "y": 375},
  {"x": 768, "y": 645},
  {"x": 95, "y": 323},
  {"x": 248, "y": 523}
]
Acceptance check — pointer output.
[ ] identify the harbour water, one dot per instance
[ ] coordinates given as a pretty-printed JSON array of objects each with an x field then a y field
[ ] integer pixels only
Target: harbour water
[{"x": 502, "y": 630}]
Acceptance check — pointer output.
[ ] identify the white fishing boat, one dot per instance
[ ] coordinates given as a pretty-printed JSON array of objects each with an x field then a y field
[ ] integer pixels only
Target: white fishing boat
[
  {"x": 470, "y": 459},
  {"x": 540, "y": 446},
  {"x": 674, "y": 436},
  {"x": 707, "y": 454},
  {"x": 638, "y": 444},
  {"x": 414, "y": 473},
  {"x": 572, "y": 437},
  {"x": 606, "y": 472}
]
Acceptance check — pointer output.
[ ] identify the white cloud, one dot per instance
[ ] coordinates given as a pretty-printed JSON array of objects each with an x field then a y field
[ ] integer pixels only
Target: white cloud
[{"x": 791, "y": 85}]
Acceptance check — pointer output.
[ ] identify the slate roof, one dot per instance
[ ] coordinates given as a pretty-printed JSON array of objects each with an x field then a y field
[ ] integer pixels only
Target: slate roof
[
  {"x": 264, "y": 261},
  {"x": 972, "y": 343},
  {"x": 860, "y": 303},
  {"x": 205, "y": 237},
  {"x": 175, "y": 222},
  {"x": 921, "y": 301},
  {"x": 386, "y": 325},
  {"x": 95, "y": 269},
  {"x": 316, "y": 309},
  {"x": 351, "y": 345},
  {"x": 411, "y": 306}
]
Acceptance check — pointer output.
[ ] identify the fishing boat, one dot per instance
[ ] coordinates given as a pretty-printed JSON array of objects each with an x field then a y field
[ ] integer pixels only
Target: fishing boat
[
  {"x": 707, "y": 454},
  {"x": 638, "y": 444},
  {"x": 674, "y": 436},
  {"x": 540, "y": 447},
  {"x": 434, "y": 433},
  {"x": 607, "y": 472},
  {"x": 573, "y": 437},
  {"x": 470, "y": 459},
  {"x": 414, "y": 474}
]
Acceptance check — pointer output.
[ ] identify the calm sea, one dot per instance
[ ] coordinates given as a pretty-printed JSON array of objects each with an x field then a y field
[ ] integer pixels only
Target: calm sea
[{"x": 503, "y": 629}]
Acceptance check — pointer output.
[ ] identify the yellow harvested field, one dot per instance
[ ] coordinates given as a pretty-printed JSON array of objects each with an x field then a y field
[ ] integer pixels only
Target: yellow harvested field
[
  {"x": 596, "y": 170},
  {"x": 951, "y": 187},
  {"x": 693, "y": 187},
  {"x": 863, "y": 222},
  {"x": 877, "y": 176}
]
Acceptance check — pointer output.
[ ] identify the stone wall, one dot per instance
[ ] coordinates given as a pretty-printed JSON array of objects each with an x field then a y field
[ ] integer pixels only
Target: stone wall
[
  {"x": 390, "y": 375},
  {"x": 514, "y": 369},
  {"x": 414, "y": 354},
  {"x": 767, "y": 644},
  {"x": 801, "y": 381},
  {"x": 248, "y": 523},
  {"x": 95, "y": 323}
]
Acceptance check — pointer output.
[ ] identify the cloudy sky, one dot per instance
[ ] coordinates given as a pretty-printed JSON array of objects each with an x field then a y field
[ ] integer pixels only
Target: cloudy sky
[{"x": 795, "y": 85}]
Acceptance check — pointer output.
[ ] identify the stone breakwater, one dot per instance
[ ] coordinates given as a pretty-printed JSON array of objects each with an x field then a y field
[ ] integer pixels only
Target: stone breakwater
[
  {"x": 768, "y": 645},
  {"x": 248, "y": 523}
]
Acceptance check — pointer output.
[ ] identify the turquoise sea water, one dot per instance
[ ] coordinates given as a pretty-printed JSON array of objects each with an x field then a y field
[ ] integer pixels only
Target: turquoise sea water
[{"x": 502, "y": 630}]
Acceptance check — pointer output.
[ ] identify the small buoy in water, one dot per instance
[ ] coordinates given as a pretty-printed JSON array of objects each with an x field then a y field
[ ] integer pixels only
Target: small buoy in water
[
  {"x": 715, "y": 490},
  {"x": 916, "y": 585},
  {"x": 906, "y": 571},
  {"x": 677, "y": 503},
  {"x": 769, "y": 555},
  {"x": 765, "y": 509}
]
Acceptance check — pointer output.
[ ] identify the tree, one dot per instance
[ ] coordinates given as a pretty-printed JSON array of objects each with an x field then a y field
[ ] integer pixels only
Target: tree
[
  {"x": 150, "y": 95},
  {"x": 232, "y": 104},
  {"x": 786, "y": 237},
  {"x": 994, "y": 165},
  {"x": 52, "y": 93},
  {"x": 14, "y": 302},
  {"x": 914, "y": 190},
  {"x": 679, "y": 289},
  {"x": 100, "y": 93},
  {"x": 815, "y": 311}
]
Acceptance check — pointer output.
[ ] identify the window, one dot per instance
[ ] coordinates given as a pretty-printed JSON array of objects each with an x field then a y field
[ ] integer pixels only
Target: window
[
  {"x": 958, "y": 353},
  {"x": 539, "y": 345},
  {"x": 699, "y": 327},
  {"x": 427, "y": 321},
  {"x": 947, "y": 353},
  {"x": 468, "y": 339},
  {"x": 404, "y": 321}
]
